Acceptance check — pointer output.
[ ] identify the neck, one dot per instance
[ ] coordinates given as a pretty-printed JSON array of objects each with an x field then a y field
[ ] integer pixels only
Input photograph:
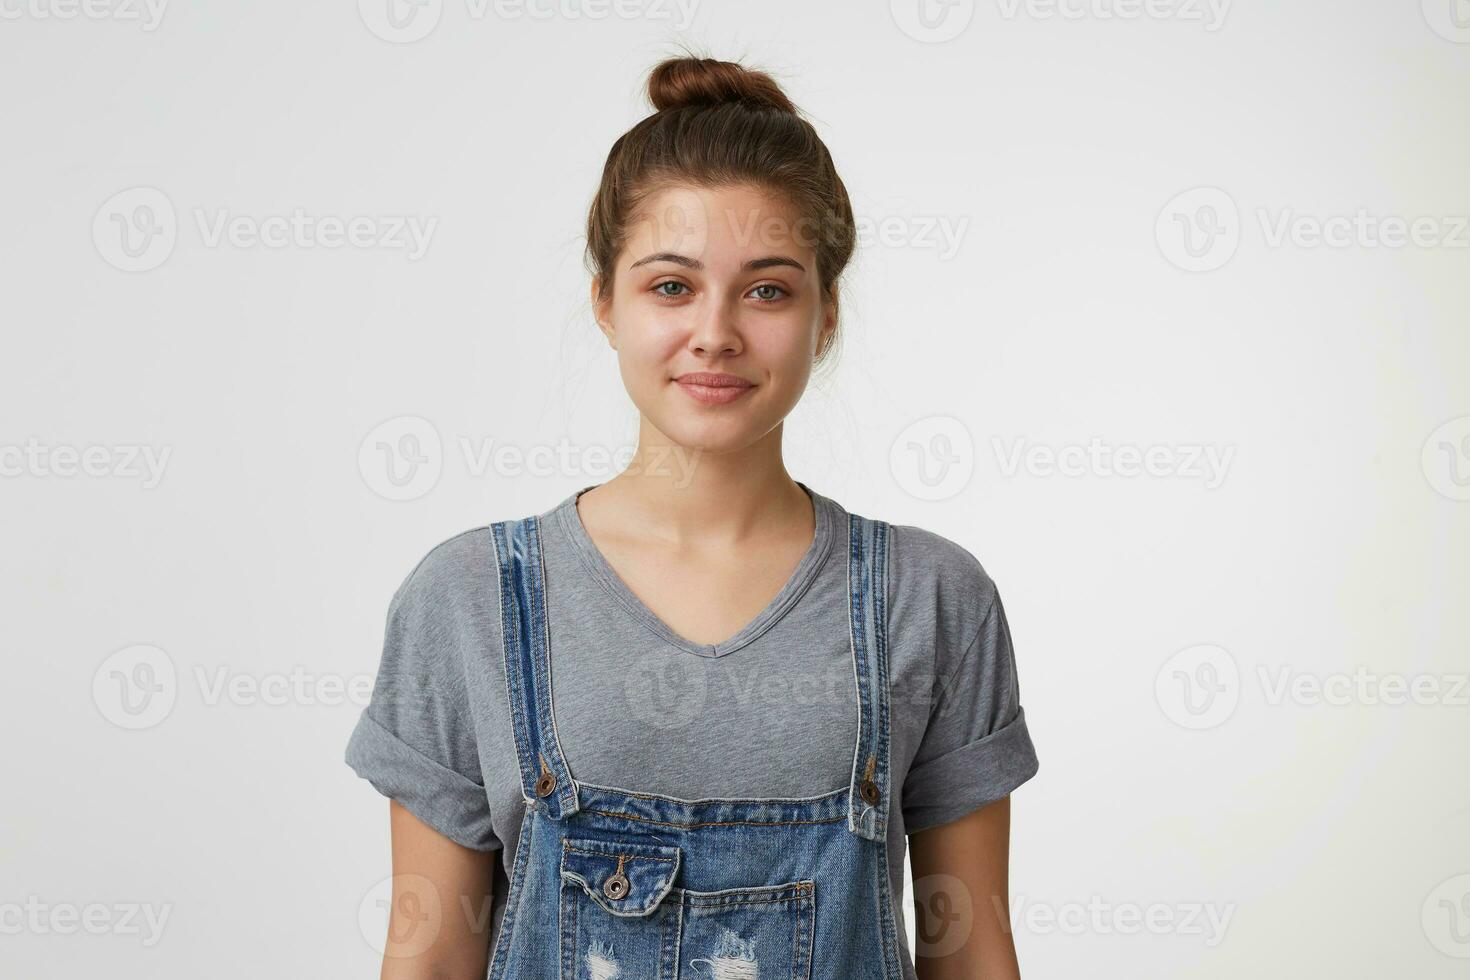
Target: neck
[{"x": 681, "y": 493}]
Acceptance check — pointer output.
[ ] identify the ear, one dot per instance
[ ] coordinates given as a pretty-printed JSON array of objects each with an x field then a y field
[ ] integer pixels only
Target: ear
[
  {"x": 829, "y": 320},
  {"x": 601, "y": 309}
]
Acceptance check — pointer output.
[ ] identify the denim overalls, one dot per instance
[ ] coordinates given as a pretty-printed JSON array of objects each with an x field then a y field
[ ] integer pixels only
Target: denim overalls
[{"x": 614, "y": 884}]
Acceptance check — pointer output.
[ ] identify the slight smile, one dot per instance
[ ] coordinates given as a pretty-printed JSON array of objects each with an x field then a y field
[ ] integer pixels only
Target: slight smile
[{"x": 713, "y": 389}]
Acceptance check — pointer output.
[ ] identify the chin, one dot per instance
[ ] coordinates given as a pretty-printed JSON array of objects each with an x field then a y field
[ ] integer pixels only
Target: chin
[
  {"x": 714, "y": 436},
  {"x": 702, "y": 439}
]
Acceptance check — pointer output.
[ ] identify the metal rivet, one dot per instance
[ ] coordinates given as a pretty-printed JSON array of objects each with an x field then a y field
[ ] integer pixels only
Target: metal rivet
[
  {"x": 615, "y": 887},
  {"x": 545, "y": 784},
  {"x": 869, "y": 790}
]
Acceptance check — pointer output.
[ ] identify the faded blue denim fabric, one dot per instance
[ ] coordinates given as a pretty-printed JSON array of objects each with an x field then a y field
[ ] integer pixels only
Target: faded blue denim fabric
[{"x": 611, "y": 883}]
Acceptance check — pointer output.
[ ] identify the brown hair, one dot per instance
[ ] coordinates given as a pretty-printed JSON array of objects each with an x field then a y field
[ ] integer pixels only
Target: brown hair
[{"x": 718, "y": 123}]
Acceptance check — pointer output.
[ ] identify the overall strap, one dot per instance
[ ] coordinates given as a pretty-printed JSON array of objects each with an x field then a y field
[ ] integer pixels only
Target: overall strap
[
  {"x": 867, "y": 580},
  {"x": 545, "y": 778}
]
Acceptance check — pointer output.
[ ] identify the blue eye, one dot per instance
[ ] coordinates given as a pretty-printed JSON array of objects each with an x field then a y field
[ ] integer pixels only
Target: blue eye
[{"x": 766, "y": 292}]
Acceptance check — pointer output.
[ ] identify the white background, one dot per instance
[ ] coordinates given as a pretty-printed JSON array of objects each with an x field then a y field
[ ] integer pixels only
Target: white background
[{"x": 1154, "y": 615}]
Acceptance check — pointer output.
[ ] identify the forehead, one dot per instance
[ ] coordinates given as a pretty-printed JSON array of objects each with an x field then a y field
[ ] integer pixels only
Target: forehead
[{"x": 723, "y": 225}]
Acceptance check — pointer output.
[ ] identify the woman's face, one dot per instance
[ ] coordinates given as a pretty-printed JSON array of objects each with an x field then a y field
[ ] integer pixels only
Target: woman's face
[{"x": 716, "y": 313}]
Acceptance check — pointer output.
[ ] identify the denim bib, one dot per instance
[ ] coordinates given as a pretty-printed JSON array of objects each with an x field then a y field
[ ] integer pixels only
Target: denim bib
[{"x": 614, "y": 884}]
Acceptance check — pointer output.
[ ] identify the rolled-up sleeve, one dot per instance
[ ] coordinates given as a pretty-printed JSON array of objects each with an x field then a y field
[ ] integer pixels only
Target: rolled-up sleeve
[
  {"x": 414, "y": 741},
  {"x": 977, "y": 748}
]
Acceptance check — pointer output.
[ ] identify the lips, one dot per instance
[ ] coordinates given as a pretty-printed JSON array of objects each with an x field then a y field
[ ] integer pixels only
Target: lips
[{"x": 713, "y": 389}]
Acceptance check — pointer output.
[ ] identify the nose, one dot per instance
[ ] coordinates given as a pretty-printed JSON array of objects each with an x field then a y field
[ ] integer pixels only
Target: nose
[{"x": 715, "y": 329}]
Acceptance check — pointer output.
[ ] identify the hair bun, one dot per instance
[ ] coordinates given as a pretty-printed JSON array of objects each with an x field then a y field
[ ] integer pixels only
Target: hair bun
[{"x": 679, "y": 82}]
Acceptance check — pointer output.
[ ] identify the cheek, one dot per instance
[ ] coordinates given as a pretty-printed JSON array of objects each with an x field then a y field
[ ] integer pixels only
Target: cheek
[
  {"x": 786, "y": 348},
  {"x": 646, "y": 341}
]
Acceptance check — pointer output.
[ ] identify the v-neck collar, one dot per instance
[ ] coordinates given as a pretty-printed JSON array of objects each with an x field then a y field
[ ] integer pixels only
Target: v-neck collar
[{"x": 802, "y": 577}]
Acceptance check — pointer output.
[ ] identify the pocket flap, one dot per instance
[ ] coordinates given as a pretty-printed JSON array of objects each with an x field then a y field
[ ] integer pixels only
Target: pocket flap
[{"x": 623, "y": 877}]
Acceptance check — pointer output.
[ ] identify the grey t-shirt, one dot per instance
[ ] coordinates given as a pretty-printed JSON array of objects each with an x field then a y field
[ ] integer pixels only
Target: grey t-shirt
[{"x": 771, "y": 712}]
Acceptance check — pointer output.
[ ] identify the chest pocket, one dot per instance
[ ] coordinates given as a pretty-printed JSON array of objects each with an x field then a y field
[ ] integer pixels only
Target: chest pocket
[
  {"x": 617, "y": 922},
  {"x": 624, "y": 918}
]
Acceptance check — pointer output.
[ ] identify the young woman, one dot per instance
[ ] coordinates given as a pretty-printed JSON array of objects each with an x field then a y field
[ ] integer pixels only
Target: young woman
[{"x": 685, "y": 722}]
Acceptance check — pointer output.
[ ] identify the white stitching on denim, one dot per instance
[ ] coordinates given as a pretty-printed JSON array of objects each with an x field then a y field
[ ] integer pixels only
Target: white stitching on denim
[
  {"x": 733, "y": 959},
  {"x": 857, "y": 748}
]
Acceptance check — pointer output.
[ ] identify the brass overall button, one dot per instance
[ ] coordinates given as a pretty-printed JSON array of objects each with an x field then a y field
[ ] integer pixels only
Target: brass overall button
[
  {"x": 545, "y": 784},
  {"x": 869, "y": 790},
  {"x": 615, "y": 887}
]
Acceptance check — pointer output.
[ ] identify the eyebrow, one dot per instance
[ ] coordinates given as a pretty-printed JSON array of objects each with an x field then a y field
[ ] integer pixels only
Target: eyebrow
[{"x": 764, "y": 262}]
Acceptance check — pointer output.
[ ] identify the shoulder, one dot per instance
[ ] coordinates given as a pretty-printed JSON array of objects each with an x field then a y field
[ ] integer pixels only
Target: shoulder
[
  {"x": 928, "y": 565},
  {"x": 463, "y": 559},
  {"x": 942, "y": 600},
  {"x": 458, "y": 577},
  {"x": 925, "y": 567},
  {"x": 445, "y": 615},
  {"x": 449, "y": 569},
  {"x": 447, "y": 606}
]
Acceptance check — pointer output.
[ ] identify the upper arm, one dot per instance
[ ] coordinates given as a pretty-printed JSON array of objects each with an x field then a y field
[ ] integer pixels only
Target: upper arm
[
  {"x": 415, "y": 742},
  {"x": 961, "y": 910},
  {"x": 976, "y": 747},
  {"x": 443, "y": 893},
  {"x": 974, "y": 751}
]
